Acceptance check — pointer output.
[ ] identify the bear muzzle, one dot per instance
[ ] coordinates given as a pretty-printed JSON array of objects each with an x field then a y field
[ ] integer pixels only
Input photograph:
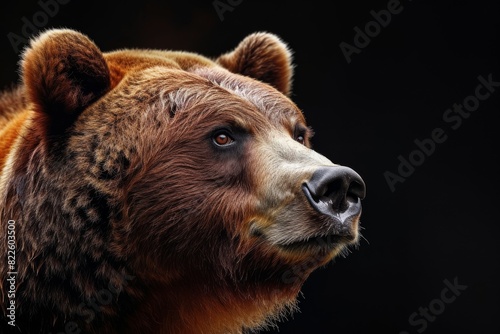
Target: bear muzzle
[{"x": 336, "y": 192}]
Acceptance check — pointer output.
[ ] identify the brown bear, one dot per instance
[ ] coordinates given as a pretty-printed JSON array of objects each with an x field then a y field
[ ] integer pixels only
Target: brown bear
[{"x": 148, "y": 191}]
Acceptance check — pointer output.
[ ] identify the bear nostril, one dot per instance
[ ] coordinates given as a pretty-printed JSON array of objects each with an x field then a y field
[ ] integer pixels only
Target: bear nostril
[
  {"x": 329, "y": 193},
  {"x": 334, "y": 190},
  {"x": 356, "y": 190}
]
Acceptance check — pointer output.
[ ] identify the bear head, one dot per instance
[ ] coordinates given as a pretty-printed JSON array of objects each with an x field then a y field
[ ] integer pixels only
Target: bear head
[{"x": 194, "y": 175}]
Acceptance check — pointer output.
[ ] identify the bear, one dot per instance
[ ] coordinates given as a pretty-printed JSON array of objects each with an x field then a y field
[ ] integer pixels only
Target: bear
[{"x": 162, "y": 191}]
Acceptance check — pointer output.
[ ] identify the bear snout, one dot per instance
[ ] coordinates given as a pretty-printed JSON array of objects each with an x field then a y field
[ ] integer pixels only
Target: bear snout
[{"x": 335, "y": 191}]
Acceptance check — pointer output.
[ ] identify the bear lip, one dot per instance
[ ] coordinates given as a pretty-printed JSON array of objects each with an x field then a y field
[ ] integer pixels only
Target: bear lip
[
  {"x": 336, "y": 235},
  {"x": 328, "y": 241}
]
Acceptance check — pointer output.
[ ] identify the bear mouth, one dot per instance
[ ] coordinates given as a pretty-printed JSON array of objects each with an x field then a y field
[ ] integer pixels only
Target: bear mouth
[{"x": 321, "y": 242}]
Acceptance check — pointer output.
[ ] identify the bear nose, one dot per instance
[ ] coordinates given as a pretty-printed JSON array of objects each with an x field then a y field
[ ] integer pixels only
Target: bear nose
[{"x": 335, "y": 191}]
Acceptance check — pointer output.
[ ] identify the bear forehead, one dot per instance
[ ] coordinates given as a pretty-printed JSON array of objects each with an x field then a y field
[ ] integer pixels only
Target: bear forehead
[
  {"x": 211, "y": 91},
  {"x": 270, "y": 102}
]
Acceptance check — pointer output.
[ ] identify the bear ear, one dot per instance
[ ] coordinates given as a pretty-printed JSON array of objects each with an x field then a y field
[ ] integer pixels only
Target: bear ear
[
  {"x": 63, "y": 72},
  {"x": 262, "y": 56}
]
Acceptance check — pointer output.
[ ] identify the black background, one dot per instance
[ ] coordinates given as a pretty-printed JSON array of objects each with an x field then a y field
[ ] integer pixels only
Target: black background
[{"x": 441, "y": 222}]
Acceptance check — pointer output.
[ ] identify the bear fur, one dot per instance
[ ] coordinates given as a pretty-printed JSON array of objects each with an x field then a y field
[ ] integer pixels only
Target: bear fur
[{"x": 152, "y": 191}]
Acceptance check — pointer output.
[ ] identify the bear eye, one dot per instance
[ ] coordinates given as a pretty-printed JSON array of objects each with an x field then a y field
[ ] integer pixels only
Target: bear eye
[
  {"x": 222, "y": 138},
  {"x": 301, "y": 134},
  {"x": 300, "y": 139}
]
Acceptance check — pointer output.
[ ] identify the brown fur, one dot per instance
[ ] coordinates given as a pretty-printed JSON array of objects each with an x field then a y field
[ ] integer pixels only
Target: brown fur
[{"x": 108, "y": 168}]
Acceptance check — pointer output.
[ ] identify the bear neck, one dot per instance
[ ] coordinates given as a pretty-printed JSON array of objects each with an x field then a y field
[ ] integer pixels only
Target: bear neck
[{"x": 199, "y": 305}]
